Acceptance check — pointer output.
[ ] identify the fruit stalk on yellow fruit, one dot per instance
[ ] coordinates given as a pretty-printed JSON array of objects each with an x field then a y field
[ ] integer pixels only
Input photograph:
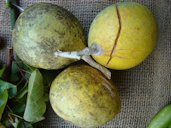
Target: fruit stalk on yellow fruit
[
  {"x": 38, "y": 35},
  {"x": 85, "y": 55},
  {"x": 125, "y": 34}
]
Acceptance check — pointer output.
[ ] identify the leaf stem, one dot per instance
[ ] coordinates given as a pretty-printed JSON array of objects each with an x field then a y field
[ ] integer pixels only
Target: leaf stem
[
  {"x": 9, "y": 109},
  {"x": 10, "y": 119},
  {"x": 21, "y": 80},
  {"x": 25, "y": 71},
  {"x": 16, "y": 116},
  {"x": 21, "y": 71}
]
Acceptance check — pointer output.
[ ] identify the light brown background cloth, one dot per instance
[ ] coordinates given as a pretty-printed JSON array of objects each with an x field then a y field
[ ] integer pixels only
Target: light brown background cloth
[{"x": 144, "y": 89}]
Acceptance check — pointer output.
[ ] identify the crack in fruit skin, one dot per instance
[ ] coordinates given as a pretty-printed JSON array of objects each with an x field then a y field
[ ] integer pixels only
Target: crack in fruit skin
[
  {"x": 138, "y": 35},
  {"x": 118, "y": 34}
]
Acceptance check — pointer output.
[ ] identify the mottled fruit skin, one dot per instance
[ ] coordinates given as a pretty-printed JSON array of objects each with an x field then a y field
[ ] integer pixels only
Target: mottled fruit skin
[
  {"x": 41, "y": 30},
  {"x": 127, "y": 33},
  {"x": 83, "y": 96}
]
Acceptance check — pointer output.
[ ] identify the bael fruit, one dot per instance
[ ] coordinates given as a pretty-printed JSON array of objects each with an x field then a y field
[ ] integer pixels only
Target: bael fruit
[
  {"x": 43, "y": 29},
  {"x": 127, "y": 33},
  {"x": 83, "y": 96}
]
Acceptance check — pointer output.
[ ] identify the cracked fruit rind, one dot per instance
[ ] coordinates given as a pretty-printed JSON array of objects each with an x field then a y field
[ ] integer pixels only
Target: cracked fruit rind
[
  {"x": 41, "y": 30},
  {"x": 83, "y": 96},
  {"x": 127, "y": 33}
]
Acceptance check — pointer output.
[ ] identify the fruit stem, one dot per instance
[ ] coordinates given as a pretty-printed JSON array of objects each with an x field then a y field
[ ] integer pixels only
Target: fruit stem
[
  {"x": 101, "y": 68},
  {"x": 94, "y": 49},
  {"x": 84, "y": 54}
]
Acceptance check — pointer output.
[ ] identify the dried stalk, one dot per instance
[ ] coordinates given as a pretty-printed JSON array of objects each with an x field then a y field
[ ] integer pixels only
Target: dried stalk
[{"x": 85, "y": 55}]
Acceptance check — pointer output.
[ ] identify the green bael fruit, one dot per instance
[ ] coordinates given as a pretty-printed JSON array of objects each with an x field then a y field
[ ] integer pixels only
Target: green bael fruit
[
  {"x": 83, "y": 96},
  {"x": 43, "y": 29}
]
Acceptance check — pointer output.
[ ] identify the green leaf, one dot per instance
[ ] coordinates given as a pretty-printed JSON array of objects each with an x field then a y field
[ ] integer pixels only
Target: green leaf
[
  {"x": 5, "y": 121},
  {"x": 30, "y": 68},
  {"x": 19, "y": 109},
  {"x": 3, "y": 101},
  {"x": 24, "y": 66},
  {"x": 14, "y": 76},
  {"x": 12, "y": 89},
  {"x": 23, "y": 124},
  {"x": 48, "y": 77},
  {"x": 169, "y": 126},
  {"x": 2, "y": 71},
  {"x": 27, "y": 125},
  {"x": 35, "y": 106},
  {"x": 22, "y": 92},
  {"x": 15, "y": 123},
  {"x": 14, "y": 12},
  {"x": 8, "y": 3},
  {"x": 27, "y": 75}
]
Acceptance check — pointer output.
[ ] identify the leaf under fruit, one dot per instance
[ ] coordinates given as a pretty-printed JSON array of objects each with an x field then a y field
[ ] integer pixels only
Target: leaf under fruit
[
  {"x": 12, "y": 89},
  {"x": 3, "y": 102},
  {"x": 35, "y": 106}
]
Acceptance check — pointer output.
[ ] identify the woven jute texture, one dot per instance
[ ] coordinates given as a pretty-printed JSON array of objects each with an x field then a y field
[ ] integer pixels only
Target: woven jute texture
[{"x": 144, "y": 89}]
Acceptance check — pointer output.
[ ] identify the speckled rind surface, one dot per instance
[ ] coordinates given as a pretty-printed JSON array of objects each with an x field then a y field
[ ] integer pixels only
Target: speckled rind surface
[
  {"x": 82, "y": 95},
  {"x": 41, "y": 30}
]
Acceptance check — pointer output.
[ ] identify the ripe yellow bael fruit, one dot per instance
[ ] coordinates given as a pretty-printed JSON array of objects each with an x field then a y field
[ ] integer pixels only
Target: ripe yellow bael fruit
[
  {"x": 126, "y": 31},
  {"x": 83, "y": 96}
]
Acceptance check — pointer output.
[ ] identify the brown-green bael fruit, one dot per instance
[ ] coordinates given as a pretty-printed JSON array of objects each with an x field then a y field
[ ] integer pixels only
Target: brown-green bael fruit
[
  {"x": 43, "y": 29},
  {"x": 83, "y": 96}
]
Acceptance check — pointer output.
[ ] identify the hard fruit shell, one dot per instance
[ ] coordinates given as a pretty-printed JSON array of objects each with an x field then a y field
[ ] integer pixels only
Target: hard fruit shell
[
  {"x": 127, "y": 33},
  {"x": 41, "y": 30},
  {"x": 83, "y": 96}
]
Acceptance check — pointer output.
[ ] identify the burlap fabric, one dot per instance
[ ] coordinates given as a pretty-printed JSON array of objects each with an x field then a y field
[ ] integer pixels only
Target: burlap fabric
[{"x": 144, "y": 89}]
